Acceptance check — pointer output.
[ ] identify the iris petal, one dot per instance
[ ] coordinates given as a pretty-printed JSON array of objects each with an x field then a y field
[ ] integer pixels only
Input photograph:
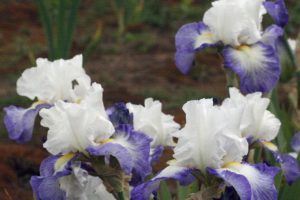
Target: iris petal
[
  {"x": 258, "y": 66},
  {"x": 19, "y": 122},
  {"x": 189, "y": 39},
  {"x": 295, "y": 142},
  {"x": 278, "y": 12},
  {"x": 182, "y": 174},
  {"x": 252, "y": 182},
  {"x": 131, "y": 148}
]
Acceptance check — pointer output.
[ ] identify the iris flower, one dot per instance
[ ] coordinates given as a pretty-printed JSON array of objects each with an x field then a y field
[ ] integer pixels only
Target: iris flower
[
  {"x": 260, "y": 126},
  {"x": 46, "y": 83},
  {"x": 63, "y": 178},
  {"x": 150, "y": 120},
  {"x": 211, "y": 142},
  {"x": 235, "y": 26}
]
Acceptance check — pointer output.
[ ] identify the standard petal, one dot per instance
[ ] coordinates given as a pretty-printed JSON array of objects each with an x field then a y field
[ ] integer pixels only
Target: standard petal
[
  {"x": 252, "y": 182},
  {"x": 51, "y": 81},
  {"x": 278, "y": 11},
  {"x": 119, "y": 114},
  {"x": 19, "y": 122},
  {"x": 295, "y": 142},
  {"x": 182, "y": 174},
  {"x": 258, "y": 66},
  {"x": 74, "y": 127}
]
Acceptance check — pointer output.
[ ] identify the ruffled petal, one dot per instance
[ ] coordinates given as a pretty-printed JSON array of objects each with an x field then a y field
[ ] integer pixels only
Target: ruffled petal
[
  {"x": 19, "y": 122},
  {"x": 189, "y": 39},
  {"x": 182, "y": 174},
  {"x": 51, "y": 81},
  {"x": 258, "y": 66},
  {"x": 278, "y": 12},
  {"x": 119, "y": 114},
  {"x": 252, "y": 182},
  {"x": 295, "y": 142},
  {"x": 131, "y": 149}
]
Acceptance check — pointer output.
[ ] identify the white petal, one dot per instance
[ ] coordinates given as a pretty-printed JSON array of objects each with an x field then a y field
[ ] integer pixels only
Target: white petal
[
  {"x": 80, "y": 185},
  {"x": 74, "y": 127},
  {"x": 51, "y": 81},
  {"x": 236, "y": 21},
  {"x": 210, "y": 136},
  {"x": 257, "y": 122},
  {"x": 150, "y": 120}
]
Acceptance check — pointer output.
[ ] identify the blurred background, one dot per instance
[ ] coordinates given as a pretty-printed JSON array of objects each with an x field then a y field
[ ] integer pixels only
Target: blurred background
[{"x": 128, "y": 47}]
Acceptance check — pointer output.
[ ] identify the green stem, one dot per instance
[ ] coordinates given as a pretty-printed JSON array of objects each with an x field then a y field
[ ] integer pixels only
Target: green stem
[
  {"x": 60, "y": 28},
  {"x": 120, "y": 196},
  {"x": 46, "y": 21},
  {"x": 70, "y": 27},
  {"x": 231, "y": 80}
]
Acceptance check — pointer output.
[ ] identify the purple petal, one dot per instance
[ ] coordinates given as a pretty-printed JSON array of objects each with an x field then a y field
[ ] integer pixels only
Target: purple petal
[
  {"x": 190, "y": 38},
  {"x": 271, "y": 35},
  {"x": 19, "y": 122},
  {"x": 278, "y": 12},
  {"x": 119, "y": 114},
  {"x": 47, "y": 188},
  {"x": 250, "y": 181},
  {"x": 115, "y": 150},
  {"x": 182, "y": 174},
  {"x": 186, "y": 36},
  {"x": 257, "y": 66},
  {"x": 289, "y": 166},
  {"x": 131, "y": 149},
  {"x": 184, "y": 61},
  {"x": 156, "y": 154},
  {"x": 295, "y": 142}
]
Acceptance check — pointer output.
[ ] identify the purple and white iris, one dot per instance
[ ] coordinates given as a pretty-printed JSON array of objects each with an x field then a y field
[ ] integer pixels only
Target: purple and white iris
[
  {"x": 212, "y": 142},
  {"x": 46, "y": 83},
  {"x": 235, "y": 26},
  {"x": 63, "y": 178}
]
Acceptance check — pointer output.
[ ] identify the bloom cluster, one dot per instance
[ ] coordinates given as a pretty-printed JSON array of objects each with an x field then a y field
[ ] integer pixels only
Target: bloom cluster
[
  {"x": 108, "y": 153},
  {"x": 216, "y": 142},
  {"x": 91, "y": 146}
]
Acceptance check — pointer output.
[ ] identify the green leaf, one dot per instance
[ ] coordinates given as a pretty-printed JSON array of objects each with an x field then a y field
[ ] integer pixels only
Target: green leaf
[
  {"x": 164, "y": 192},
  {"x": 290, "y": 192}
]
